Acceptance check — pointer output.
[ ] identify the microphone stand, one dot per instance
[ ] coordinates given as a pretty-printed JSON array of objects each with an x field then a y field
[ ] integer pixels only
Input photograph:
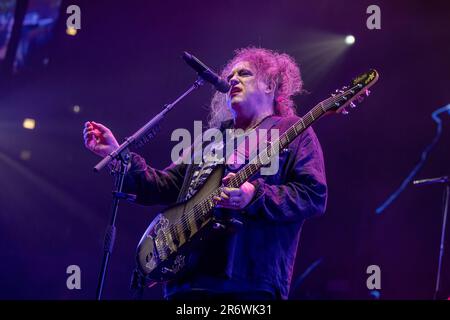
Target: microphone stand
[
  {"x": 446, "y": 181},
  {"x": 122, "y": 155},
  {"x": 441, "y": 248}
]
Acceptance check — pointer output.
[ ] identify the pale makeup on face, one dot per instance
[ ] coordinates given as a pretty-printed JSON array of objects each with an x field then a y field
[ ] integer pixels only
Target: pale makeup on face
[{"x": 245, "y": 86}]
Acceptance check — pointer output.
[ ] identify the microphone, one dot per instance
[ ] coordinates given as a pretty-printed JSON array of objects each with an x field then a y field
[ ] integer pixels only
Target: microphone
[
  {"x": 205, "y": 73},
  {"x": 443, "y": 179}
]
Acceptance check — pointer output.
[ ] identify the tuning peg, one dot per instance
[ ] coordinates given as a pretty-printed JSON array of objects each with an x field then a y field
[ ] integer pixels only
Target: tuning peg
[
  {"x": 367, "y": 92},
  {"x": 352, "y": 105},
  {"x": 344, "y": 111}
]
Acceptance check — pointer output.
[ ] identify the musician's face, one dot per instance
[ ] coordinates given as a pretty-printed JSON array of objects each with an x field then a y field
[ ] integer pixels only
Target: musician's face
[{"x": 247, "y": 91}]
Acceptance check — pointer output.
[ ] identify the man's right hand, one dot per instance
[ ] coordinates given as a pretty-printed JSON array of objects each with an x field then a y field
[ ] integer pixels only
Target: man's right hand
[{"x": 99, "y": 139}]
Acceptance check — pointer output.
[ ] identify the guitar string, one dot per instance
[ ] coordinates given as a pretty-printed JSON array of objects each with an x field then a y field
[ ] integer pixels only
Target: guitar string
[{"x": 203, "y": 207}]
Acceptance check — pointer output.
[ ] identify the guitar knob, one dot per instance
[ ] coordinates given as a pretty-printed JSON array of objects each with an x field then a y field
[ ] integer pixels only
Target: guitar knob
[
  {"x": 367, "y": 92},
  {"x": 352, "y": 105}
]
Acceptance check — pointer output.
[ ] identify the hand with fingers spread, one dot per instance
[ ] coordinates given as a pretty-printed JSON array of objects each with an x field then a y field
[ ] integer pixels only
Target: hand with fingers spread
[
  {"x": 235, "y": 198},
  {"x": 99, "y": 139}
]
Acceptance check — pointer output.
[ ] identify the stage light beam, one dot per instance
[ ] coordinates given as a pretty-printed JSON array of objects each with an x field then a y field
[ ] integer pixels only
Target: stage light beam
[
  {"x": 350, "y": 39},
  {"x": 71, "y": 31},
  {"x": 29, "y": 123},
  {"x": 76, "y": 109},
  {"x": 319, "y": 51}
]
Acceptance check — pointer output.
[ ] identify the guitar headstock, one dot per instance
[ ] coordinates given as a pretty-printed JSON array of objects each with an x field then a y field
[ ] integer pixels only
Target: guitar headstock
[{"x": 351, "y": 95}]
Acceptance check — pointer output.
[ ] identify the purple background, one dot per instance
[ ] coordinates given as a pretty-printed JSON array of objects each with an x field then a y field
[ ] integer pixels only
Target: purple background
[{"x": 124, "y": 65}]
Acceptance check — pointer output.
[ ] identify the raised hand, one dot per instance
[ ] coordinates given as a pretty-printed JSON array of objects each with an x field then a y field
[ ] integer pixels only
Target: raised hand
[{"x": 99, "y": 139}]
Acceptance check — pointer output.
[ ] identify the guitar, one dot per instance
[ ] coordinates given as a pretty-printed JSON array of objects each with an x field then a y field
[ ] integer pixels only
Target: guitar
[{"x": 163, "y": 252}]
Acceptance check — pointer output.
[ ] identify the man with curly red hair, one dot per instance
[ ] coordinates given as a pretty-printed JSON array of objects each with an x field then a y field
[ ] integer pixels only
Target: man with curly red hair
[{"x": 254, "y": 262}]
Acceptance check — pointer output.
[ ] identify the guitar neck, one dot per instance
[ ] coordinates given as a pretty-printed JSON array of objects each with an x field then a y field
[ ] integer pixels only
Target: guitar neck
[
  {"x": 201, "y": 212},
  {"x": 282, "y": 142}
]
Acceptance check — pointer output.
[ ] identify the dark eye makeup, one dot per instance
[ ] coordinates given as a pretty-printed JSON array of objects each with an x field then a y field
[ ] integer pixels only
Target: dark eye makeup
[{"x": 242, "y": 72}]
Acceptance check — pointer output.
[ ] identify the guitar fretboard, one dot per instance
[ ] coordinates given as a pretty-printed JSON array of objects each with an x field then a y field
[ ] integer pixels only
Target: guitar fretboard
[{"x": 202, "y": 211}]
